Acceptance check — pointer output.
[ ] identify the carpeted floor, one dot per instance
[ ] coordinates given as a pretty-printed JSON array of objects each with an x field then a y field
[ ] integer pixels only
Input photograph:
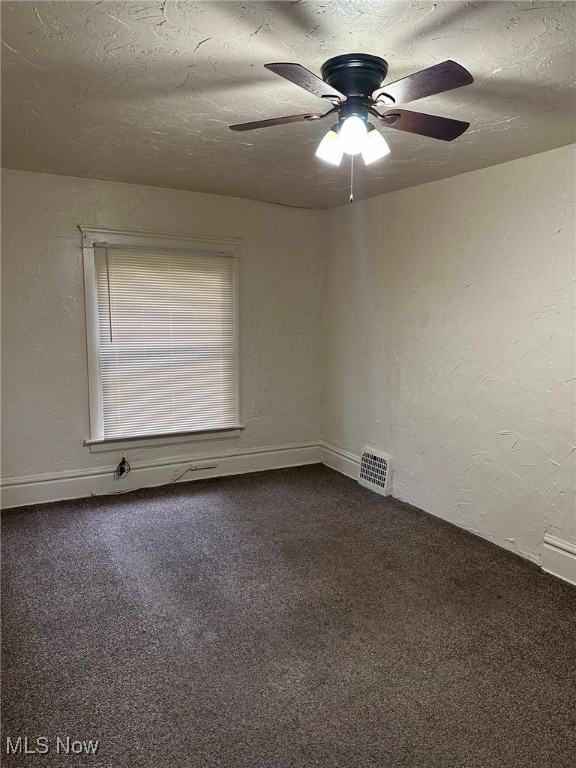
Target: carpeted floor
[{"x": 279, "y": 620}]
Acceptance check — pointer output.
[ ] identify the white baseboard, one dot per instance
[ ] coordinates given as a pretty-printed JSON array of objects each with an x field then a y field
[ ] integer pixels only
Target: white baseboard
[
  {"x": 342, "y": 461},
  {"x": 21, "y": 491},
  {"x": 559, "y": 558}
]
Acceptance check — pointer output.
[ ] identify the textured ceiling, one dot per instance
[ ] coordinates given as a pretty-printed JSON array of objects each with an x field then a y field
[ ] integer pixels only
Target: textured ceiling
[{"x": 143, "y": 92}]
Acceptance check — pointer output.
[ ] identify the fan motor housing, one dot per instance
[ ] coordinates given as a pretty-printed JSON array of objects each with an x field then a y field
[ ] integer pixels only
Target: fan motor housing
[{"x": 355, "y": 74}]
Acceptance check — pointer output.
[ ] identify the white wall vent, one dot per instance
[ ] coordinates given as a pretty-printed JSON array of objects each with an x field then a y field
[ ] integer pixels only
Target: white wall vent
[{"x": 375, "y": 470}]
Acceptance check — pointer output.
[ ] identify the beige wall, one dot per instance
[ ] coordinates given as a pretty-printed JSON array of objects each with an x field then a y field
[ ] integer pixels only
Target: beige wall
[
  {"x": 44, "y": 390},
  {"x": 450, "y": 345},
  {"x": 448, "y": 334}
]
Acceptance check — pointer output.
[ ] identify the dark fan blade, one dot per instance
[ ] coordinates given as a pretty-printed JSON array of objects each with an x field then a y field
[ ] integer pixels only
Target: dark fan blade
[
  {"x": 301, "y": 76},
  {"x": 278, "y": 121},
  {"x": 437, "y": 79},
  {"x": 443, "y": 128}
]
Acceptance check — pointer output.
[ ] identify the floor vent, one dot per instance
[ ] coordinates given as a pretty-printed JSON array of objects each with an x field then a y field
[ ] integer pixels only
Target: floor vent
[{"x": 375, "y": 471}]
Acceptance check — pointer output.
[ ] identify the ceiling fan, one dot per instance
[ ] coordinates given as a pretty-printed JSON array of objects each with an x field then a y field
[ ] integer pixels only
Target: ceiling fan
[{"x": 352, "y": 84}]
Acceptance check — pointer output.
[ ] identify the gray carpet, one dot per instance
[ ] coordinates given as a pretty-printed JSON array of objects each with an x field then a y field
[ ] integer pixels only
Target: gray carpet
[{"x": 279, "y": 620}]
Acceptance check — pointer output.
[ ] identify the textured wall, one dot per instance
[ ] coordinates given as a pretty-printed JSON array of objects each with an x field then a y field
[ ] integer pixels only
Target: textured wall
[
  {"x": 44, "y": 390},
  {"x": 448, "y": 333},
  {"x": 450, "y": 322}
]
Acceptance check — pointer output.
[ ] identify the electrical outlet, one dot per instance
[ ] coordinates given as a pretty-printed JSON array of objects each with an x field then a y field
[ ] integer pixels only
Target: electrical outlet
[{"x": 123, "y": 468}]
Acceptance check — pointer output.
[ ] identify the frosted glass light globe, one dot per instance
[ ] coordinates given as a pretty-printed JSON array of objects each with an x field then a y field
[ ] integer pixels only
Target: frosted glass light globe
[
  {"x": 353, "y": 135},
  {"x": 330, "y": 148},
  {"x": 375, "y": 146}
]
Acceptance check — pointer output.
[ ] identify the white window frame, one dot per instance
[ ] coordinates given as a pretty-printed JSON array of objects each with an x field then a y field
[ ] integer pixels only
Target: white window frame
[{"x": 93, "y": 237}]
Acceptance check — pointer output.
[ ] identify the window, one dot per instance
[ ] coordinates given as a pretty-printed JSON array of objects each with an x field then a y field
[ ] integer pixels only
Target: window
[{"x": 162, "y": 335}]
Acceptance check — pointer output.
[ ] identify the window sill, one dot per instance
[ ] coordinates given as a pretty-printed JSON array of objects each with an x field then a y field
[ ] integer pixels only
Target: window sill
[{"x": 151, "y": 441}]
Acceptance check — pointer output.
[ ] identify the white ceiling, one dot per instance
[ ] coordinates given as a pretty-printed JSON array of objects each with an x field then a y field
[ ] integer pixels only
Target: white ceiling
[{"x": 143, "y": 92}]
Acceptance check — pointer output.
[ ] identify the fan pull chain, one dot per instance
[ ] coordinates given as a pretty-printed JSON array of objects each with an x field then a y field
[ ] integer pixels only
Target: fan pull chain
[{"x": 351, "y": 179}]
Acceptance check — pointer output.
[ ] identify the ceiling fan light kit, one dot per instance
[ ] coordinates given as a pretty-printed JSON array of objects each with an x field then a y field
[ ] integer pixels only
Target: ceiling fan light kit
[
  {"x": 368, "y": 142},
  {"x": 353, "y": 84}
]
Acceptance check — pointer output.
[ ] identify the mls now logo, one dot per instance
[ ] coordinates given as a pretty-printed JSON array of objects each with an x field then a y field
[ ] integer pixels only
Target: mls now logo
[{"x": 41, "y": 745}]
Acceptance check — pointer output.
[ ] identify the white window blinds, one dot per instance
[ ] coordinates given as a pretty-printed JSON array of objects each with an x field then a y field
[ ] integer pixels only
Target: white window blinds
[{"x": 167, "y": 341}]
